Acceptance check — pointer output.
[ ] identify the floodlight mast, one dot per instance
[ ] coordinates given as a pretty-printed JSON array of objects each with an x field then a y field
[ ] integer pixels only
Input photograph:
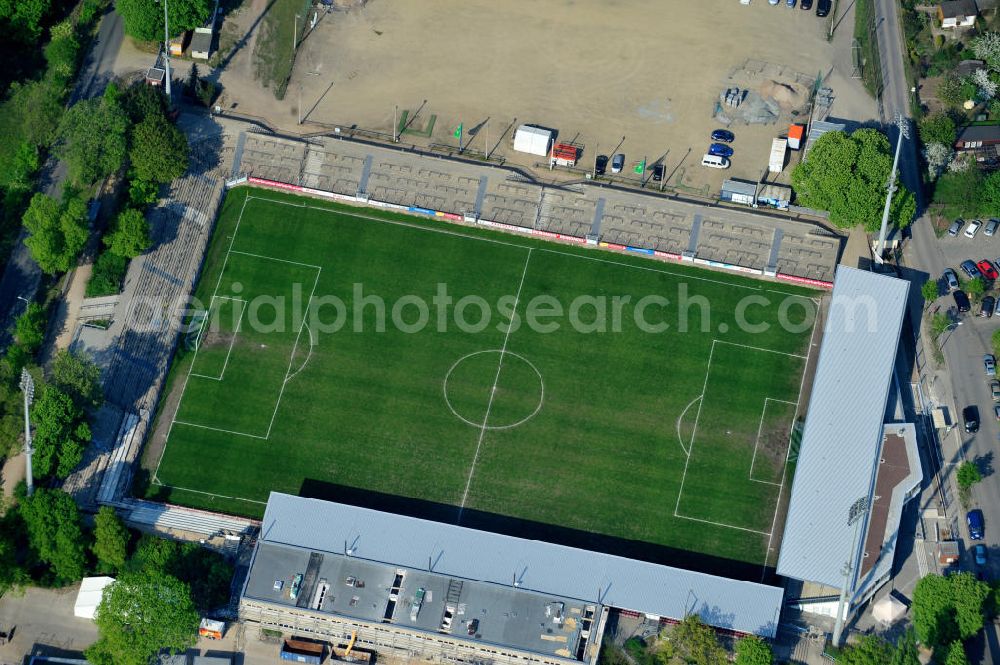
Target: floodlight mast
[
  {"x": 855, "y": 514},
  {"x": 28, "y": 388},
  {"x": 904, "y": 132}
]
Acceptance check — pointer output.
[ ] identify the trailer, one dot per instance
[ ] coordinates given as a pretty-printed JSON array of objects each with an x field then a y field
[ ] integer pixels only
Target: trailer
[
  {"x": 776, "y": 163},
  {"x": 533, "y": 140},
  {"x": 212, "y": 629},
  {"x": 564, "y": 154},
  {"x": 303, "y": 651}
]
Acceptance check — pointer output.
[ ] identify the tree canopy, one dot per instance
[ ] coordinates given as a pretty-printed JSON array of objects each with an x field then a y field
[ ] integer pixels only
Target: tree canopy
[
  {"x": 938, "y": 128},
  {"x": 130, "y": 237},
  {"x": 110, "y": 540},
  {"x": 143, "y": 19},
  {"x": 29, "y": 327},
  {"x": 159, "y": 150},
  {"x": 54, "y": 533},
  {"x": 93, "y": 135},
  {"x": 949, "y": 608},
  {"x": 61, "y": 433},
  {"x": 752, "y": 650},
  {"x": 847, "y": 175},
  {"x": 696, "y": 643},
  {"x": 140, "y": 614},
  {"x": 956, "y": 654},
  {"x": 870, "y": 650},
  {"x": 968, "y": 474},
  {"x": 77, "y": 376},
  {"x": 56, "y": 233}
]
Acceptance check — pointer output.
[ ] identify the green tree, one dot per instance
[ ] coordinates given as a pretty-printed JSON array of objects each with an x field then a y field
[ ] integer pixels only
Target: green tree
[
  {"x": 94, "y": 138},
  {"x": 25, "y": 17},
  {"x": 60, "y": 433},
  {"x": 76, "y": 375},
  {"x": 752, "y": 650},
  {"x": 57, "y": 233},
  {"x": 930, "y": 291},
  {"x": 159, "y": 150},
  {"x": 63, "y": 49},
  {"x": 697, "y": 643},
  {"x": 974, "y": 287},
  {"x": 906, "y": 652},
  {"x": 140, "y": 614},
  {"x": 208, "y": 573},
  {"x": 29, "y": 327},
  {"x": 23, "y": 167},
  {"x": 12, "y": 573},
  {"x": 52, "y": 521},
  {"x": 846, "y": 175},
  {"x": 870, "y": 650},
  {"x": 940, "y": 322},
  {"x": 956, "y": 654},
  {"x": 110, "y": 540},
  {"x": 968, "y": 474},
  {"x": 950, "y": 91},
  {"x": 130, "y": 237},
  {"x": 990, "y": 192},
  {"x": 949, "y": 608},
  {"x": 144, "y": 20},
  {"x": 938, "y": 128},
  {"x": 141, "y": 101}
]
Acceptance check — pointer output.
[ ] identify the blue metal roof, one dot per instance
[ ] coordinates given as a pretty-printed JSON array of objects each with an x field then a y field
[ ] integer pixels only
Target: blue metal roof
[
  {"x": 841, "y": 441},
  {"x": 408, "y": 542}
]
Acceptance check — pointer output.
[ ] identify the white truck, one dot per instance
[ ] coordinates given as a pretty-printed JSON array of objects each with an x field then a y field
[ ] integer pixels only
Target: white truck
[{"x": 777, "y": 161}]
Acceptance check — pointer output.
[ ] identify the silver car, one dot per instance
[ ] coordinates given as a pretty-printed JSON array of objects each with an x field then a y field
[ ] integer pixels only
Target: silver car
[
  {"x": 991, "y": 227},
  {"x": 951, "y": 279}
]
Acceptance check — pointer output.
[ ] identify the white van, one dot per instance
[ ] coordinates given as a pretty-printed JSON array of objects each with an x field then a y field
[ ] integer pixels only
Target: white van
[{"x": 715, "y": 162}]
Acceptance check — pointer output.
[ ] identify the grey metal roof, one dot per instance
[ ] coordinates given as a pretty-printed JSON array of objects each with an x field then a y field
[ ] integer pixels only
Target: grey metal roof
[
  {"x": 739, "y": 187},
  {"x": 843, "y": 429},
  {"x": 537, "y": 566}
]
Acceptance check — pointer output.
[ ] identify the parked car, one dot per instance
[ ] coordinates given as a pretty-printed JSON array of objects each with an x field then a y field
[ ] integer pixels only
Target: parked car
[
  {"x": 988, "y": 306},
  {"x": 951, "y": 279},
  {"x": 806, "y": 4},
  {"x": 979, "y": 551},
  {"x": 996, "y": 411},
  {"x": 720, "y": 150},
  {"x": 991, "y": 227},
  {"x": 774, "y": 2},
  {"x": 601, "y": 165},
  {"x": 618, "y": 163},
  {"x": 973, "y": 228},
  {"x": 970, "y": 418},
  {"x": 987, "y": 269},
  {"x": 723, "y": 135},
  {"x": 977, "y": 525},
  {"x": 823, "y": 7},
  {"x": 970, "y": 269},
  {"x": 473, "y": 626},
  {"x": 658, "y": 170},
  {"x": 995, "y": 390},
  {"x": 714, "y": 162},
  {"x": 790, "y": 3},
  {"x": 989, "y": 364},
  {"x": 955, "y": 227},
  {"x": 961, "y": 301}
]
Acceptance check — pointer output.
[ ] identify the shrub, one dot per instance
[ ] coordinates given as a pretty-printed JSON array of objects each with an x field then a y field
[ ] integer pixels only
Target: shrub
[{"x": 109, "y": 271}]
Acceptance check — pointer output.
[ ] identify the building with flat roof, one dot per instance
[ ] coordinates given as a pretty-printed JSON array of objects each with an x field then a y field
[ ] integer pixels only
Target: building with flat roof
[
  {"x": 854, "y": 472},
  {"x": 416, "y": 587}
]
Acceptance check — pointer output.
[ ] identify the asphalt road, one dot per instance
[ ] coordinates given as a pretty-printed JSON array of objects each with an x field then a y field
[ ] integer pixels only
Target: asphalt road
[
  {"x": 22, "y": 275},
  {"x": 963, "y": 347}
]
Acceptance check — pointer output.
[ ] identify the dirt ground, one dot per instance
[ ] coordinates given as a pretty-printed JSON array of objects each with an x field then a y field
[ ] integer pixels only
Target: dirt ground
[{"x": 628, "y": 76}]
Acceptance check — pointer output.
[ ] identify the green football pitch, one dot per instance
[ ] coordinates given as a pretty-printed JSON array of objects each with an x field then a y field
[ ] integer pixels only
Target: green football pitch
[{"x": 648, "y": 411}]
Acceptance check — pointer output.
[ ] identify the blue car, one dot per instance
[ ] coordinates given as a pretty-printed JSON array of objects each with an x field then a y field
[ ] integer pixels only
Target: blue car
[
  {"x": 976, "y": 524},
  {"x": 720, "y": 150},
  {"x": 979, "y": 551},
  {"x": 723, "y": 135}
]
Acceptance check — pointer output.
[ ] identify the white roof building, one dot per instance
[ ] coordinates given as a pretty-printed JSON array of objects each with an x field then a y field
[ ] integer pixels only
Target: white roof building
[{"x": 89, "y": 596}]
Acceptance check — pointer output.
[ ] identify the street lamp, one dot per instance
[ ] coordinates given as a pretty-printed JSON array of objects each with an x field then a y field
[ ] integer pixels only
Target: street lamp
[
  {"x": 28, "y": 388},
  {"x": 904, "y": 132},
  {"x": 855, "y": 514}
]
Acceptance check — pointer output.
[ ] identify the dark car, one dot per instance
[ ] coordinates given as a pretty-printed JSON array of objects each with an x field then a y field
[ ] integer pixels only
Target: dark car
[
  {"x": 658, "y": 172},
  {"x": 970, "y": 269},
  {"x": 473, "y": 626},
  {"x": 987, "y": 306},
  {"x": 806, "y": 4},
  {"x": 970, "y": 417},
  {"x": 823, "y": 7},
  {"x": 601, "y": 165},
  {"x": 979, "y": 551},
  {"x": 977, "y": 525},
  {"x": 961, "y": 301},
  {"x": 723, "y": 135},
  {"x": 720, "y": 150}
]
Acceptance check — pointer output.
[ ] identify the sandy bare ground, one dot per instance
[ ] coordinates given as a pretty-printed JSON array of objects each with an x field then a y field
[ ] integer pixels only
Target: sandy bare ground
[{"x": 597, "y": 71}]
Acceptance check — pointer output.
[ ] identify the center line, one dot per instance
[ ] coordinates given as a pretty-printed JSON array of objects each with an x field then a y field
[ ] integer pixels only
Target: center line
[{"x": 493, "y": 392}]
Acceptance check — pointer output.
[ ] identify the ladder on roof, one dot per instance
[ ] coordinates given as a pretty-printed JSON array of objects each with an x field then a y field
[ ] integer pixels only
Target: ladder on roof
[{"x": 454, "y": 591}]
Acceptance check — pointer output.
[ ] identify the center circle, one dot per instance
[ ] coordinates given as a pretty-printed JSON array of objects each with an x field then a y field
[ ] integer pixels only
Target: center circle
[{"x": 494, "y": 389}]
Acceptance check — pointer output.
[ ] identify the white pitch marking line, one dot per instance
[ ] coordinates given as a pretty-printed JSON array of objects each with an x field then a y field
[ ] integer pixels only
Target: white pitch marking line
[
  {"x": 489, "y": 404},
  {"x": 219, "y": 429},
  {"x": 514, "y": 244},
  {"x": 274, "y": 258},
  {"x": 680, "y": 439},
  {"x": 756, "y": 443},
  {"x": 788, "y": 451},
  {"x": 694, "y": 430},
  {"x": 191, "y": 367},
  {"x": 295, "y": 346},
  {"x": 728, "y": 526},
  {"x": 760, "y": 348},
  {"x": 211, "y": 494},
  {"x": 232, "y": 341}
]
